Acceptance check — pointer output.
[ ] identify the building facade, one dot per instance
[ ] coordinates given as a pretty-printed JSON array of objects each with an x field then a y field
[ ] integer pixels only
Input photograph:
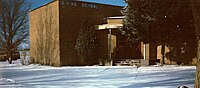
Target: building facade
[
  {"x": 54, "y": 28},
  {"x": 118, "y": 49}
]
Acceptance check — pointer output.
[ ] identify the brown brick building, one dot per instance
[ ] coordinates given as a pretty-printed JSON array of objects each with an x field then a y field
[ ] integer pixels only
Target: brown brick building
[{"x": 54, "y": 29}]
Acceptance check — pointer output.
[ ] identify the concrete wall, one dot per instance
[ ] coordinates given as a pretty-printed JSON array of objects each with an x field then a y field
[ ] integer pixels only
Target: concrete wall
[{"x": 44, "y": 34}]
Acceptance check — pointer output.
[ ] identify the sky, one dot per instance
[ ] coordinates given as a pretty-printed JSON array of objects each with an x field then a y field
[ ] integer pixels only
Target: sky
[{"x": 37, "y": 3}]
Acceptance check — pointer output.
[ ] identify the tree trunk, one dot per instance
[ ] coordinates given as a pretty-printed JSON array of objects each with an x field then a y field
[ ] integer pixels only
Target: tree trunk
[
  {"x": 195, "y": 5},
  {"x": 13, "y": 24},
  {"x": 10, "y": 57},
  {"x": 197, "y": 81}
]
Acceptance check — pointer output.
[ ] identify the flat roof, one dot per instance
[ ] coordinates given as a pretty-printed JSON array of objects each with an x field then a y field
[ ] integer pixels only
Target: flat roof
[
  {"x": 116, "y": 17},
  {"x": 74, "y": 1},
  {"x": 108, "y": 26}
]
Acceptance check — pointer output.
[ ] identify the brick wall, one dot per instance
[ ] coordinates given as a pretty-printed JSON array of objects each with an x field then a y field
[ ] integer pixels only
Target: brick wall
[
  {"x": 72, "y": 16},
  {"x": 44, "y": 35}
]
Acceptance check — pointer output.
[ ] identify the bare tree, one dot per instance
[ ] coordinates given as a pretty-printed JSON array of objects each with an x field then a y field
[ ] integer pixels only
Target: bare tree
[{"x": 13, "y": 24}]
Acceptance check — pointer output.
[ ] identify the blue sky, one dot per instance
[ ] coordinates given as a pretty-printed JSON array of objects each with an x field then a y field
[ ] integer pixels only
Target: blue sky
[{"x": 37, "y": 3}]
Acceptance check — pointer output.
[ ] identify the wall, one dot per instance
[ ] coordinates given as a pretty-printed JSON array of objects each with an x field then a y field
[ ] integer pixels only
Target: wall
[
  {"x": 74, "y": 14},
  {"x": 115, "y": 21},
  {"x": 44, "y": 34}
]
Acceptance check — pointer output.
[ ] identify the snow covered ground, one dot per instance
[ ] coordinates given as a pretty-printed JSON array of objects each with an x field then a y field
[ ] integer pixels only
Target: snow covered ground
[{"x": 36, "y": 76}]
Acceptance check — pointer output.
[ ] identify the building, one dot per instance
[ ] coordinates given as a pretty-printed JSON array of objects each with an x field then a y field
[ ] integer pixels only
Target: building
[
  {"x": 120, "y": 51},
  {"x": 117, "y": 48},
  {"x": 54, "y": 29},
  {"x": 181, "y": 47}
]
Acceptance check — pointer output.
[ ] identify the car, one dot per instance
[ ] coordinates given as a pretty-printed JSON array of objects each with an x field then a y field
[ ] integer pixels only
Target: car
[{"x": 4, "y": 56}]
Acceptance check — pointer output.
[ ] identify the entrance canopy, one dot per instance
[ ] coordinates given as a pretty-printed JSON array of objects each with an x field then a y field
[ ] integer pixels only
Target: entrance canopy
[
  {"x": 112, "y": 23},
  {"x": 109, "y": 26}
]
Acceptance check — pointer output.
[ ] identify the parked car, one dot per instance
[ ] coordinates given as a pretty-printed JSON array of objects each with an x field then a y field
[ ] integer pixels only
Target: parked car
[{"x": 4, "y": 56}]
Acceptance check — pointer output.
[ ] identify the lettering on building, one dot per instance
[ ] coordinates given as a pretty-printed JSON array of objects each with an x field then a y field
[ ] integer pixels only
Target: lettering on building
[{"x": 82, "y": 4}]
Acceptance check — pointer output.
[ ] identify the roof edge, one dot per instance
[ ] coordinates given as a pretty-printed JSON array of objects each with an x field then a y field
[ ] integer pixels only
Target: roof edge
[
  {"x": 43, "y": 5},
  {"x": 78, "y": 1}
]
